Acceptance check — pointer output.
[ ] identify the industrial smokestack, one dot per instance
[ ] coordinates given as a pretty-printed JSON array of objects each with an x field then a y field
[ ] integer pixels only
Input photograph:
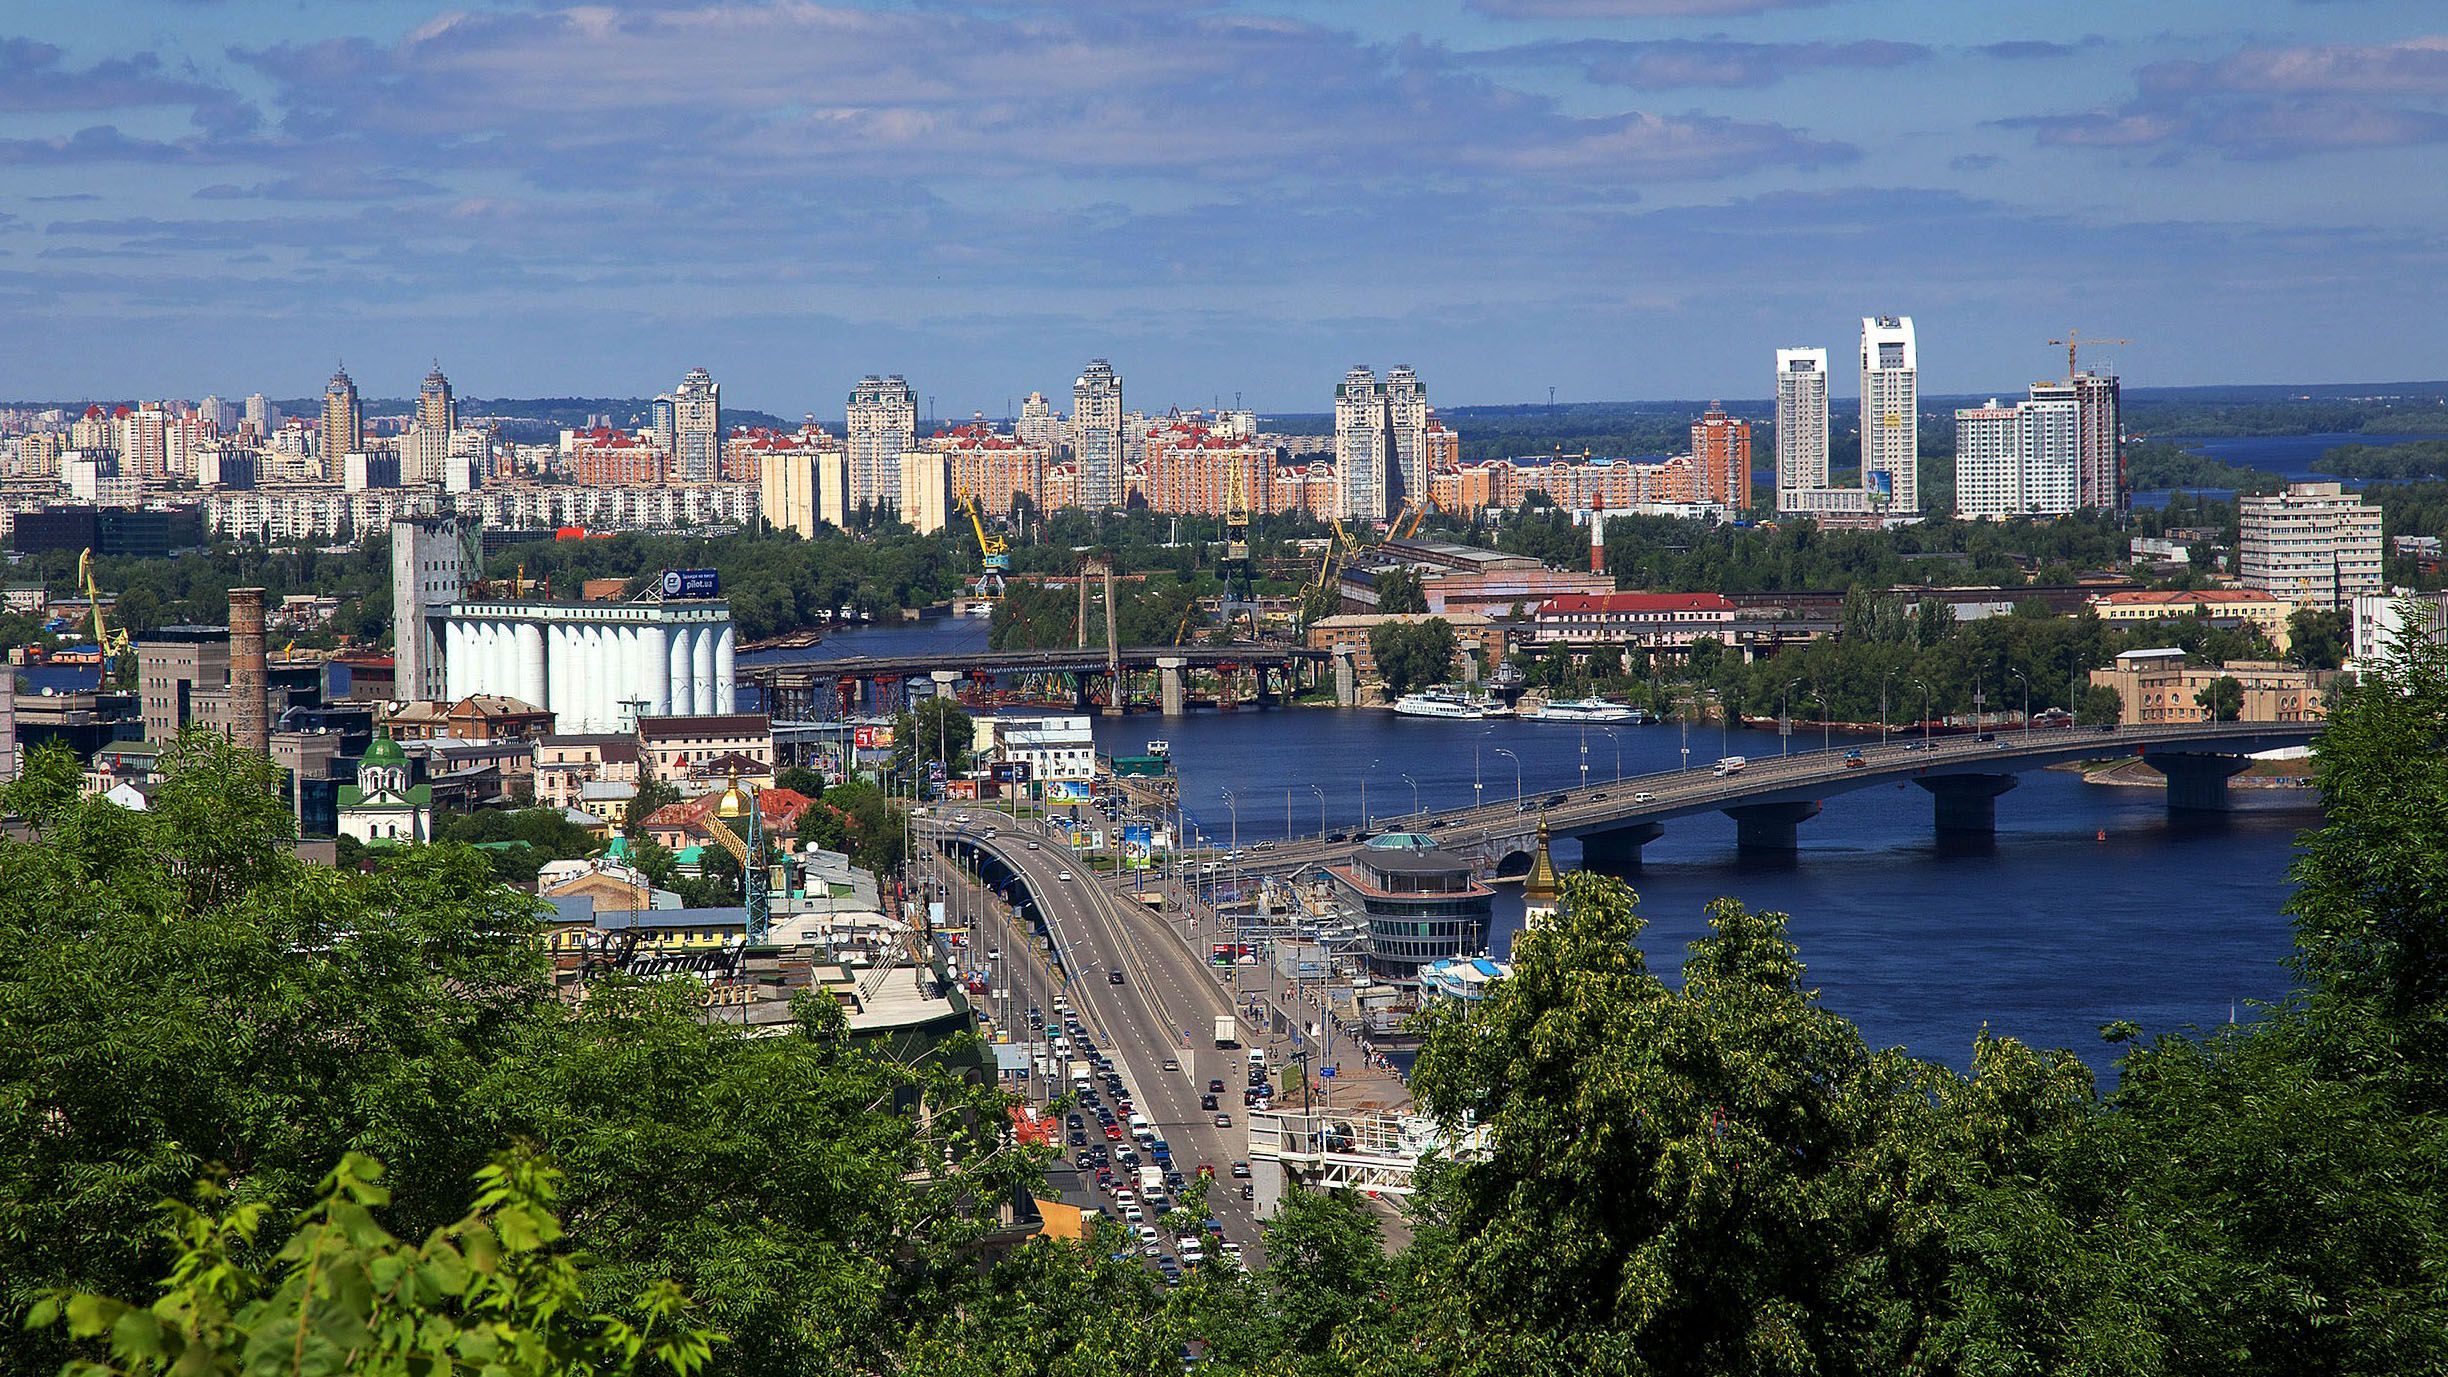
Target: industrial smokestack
[{"x": 250, "y": 706}]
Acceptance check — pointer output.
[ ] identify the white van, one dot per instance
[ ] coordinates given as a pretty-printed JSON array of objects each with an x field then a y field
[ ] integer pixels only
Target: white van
[
  {"x": 1731, "y": 765},
  {"x": 1140, "y": 1128}
]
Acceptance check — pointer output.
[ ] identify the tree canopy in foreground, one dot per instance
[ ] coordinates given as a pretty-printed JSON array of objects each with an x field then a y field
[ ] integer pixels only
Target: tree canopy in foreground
[{"x": 1718, "y": 1176}]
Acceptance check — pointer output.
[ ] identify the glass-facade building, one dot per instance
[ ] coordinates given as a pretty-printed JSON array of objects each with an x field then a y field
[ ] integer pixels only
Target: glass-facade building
[{"x": 1421, "y": 904}]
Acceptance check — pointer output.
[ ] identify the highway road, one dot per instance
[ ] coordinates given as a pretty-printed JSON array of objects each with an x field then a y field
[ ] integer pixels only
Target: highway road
[{"x": 1163, "y": 1012}]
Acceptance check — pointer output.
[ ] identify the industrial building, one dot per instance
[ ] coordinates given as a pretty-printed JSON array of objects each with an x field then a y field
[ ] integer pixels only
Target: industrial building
[{"x": 597, "y": 667}]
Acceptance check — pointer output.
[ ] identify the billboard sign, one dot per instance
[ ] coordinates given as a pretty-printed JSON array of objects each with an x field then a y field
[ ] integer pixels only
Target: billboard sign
[
  {"x": 691, "y": 583},
  {"x": 1068, "y": 791},
  {"x": 1137, "y": 846},
  {"x": 872, "y": 738}
]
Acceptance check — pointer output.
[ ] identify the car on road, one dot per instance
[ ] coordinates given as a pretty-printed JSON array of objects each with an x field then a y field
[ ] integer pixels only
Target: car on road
[
  {"x": 1079, "y": 1137},
  {"x": 1215, "y": 1085},
  {"x": 1208, "y": 1103},
  {"x": 1035, "y": 847},
  {"x": 1528, "y": 805},
  {"x": 1240, "y": 1171},
  {"x": 1231, "y": 1250},
  {"x": 964, "y": 817},
  {"x": 1221, "y": 1121},
  {"x": 1988, "y": 736},
  {"x": 1113, "y": 1131},
  {"x": 1644, "y": 796},
  {"x": 1853, "y": 761},
  {"x": 1113, "y": 977},
  {"x": 1599, "y": 797},
  {"x": 1062, "y": 874},
  {"x": 1171, "y": 1064},
  {"x": 1206, "y": 1171},
  {"x": 1552, "y": 801},
  {"x": 1133, "y": 1213},
  {"x": 1249, "y": 1192}
]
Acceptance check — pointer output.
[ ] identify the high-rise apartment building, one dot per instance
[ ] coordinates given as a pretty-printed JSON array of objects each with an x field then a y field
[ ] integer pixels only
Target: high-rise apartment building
[
  {"x": 1038, "y": 424},
  {"x": 143, "y": 441},
  {"x": 1801, "y": 425},
  {"x": 2315, "y": 543},
  {"x": 435, "y": 409},
  {"x": 1096, "y": 437},
  {"x": 1407, "y": 430},
  {"x": 2019, "y": 460},
  {"x": 2100, "y": 471},
  {"x": 1721, "y": 458},
  {"x": 883, "y": 427},
  {"x": 1890, "y": 415},
  {"x": 261, "y": 416},
  {"x": 696, "y": 440},
  {"x": 343, "y": 422},
  {"x": 1363, "y": 446}
]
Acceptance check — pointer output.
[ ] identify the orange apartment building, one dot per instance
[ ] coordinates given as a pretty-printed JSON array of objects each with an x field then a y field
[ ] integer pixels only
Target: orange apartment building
[
  {"x": 994, "y": 467},
  {"x": 610, "y": 458},
  {"x": 1721, "y": 454}
]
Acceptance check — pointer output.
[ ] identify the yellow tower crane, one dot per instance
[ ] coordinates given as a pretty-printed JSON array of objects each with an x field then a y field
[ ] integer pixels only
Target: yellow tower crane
[
  {"x": 111, "y": 641},
  {"x": 2074, "y": 341}
]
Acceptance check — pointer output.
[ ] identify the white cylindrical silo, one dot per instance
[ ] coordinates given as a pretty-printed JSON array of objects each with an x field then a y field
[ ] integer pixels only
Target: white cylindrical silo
[
  {"x": 457, "y": 653},
  {"x": 532, "y": 686},
  {"x": 703, "y": 695},
  {"x": 726, "y": 667},
  {"x": 677, "y": 656}
]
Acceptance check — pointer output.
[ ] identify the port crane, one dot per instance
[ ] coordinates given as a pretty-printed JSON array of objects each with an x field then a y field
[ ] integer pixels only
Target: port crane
[
  {"x": 745, "y": 845},
  {"x": 111, "y": 641},
  {"x": 994, "y": 552}
]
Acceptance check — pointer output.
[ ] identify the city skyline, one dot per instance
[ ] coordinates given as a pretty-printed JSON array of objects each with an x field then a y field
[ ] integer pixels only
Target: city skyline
[{"x": 1620, "y": 199}]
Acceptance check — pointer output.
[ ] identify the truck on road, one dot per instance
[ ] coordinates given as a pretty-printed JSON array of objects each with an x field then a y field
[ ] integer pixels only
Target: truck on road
[{"x": 1227, "y": 1033}]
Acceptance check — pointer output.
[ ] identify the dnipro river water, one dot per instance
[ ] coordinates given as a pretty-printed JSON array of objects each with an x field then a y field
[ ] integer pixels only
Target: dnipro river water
[{"x": 2045, "y": 936}]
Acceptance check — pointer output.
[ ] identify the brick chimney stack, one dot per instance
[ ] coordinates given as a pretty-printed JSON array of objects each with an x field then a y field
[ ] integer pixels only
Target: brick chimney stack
[{"x": 250, "y": 704}]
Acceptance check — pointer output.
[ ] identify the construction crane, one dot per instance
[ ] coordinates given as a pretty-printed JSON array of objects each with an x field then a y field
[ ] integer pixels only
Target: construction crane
[
  {"x": 994, "y": 552},
  {"x": 1414, "y": 515},
  {"x": 110, "y": 642},
  {"x": 2074, "y": 341}
]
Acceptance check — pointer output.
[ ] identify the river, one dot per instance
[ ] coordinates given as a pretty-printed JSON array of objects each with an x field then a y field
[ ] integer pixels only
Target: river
[
  {"x": 2045, "y": 936},
  {"x": 2296, "y": 458}
]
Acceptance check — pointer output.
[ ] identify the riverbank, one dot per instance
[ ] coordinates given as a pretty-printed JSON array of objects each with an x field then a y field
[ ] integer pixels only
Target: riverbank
[{"x": 2131, "y": 773}]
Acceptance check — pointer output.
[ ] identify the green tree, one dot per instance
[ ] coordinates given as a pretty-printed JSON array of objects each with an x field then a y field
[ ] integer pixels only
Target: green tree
[
  {"x": 1400, "y": 590},
  {"x": 651, "y": 795},
  {"x": 1412, "y": 654},
  {"x": 2318, "y": 639},
  {"x": 2223, "y": 697},
  {"x": 939, "y": 729},
  {"x": 2102, "y": 706},
  {"x": 490, "y": 1293}
]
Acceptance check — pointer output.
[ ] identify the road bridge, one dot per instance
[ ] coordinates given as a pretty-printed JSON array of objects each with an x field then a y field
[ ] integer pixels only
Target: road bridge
[
  {"x": 803, "y": 687},
  {"x": 1771, "y": 796}
]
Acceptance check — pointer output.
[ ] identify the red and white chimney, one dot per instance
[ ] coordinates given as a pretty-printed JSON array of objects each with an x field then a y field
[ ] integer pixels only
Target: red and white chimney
[{"x": 1598, "y": 533}]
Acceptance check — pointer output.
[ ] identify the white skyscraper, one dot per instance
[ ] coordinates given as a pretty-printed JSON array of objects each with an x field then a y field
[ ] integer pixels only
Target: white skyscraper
[
  {"x": 1890, "y": 415},
  {"x": 883, "y": 427},
  {"x": 2019, "y": 460},
  {"x": 1407, "y": 426},
  {"x": 696, "y": 443},
  {"x": 1801, "y": 425},
  {"x": 261, "y": 415},
  {"x": 1363, "y": 446},
  {"x": 1096, "y": 436}
]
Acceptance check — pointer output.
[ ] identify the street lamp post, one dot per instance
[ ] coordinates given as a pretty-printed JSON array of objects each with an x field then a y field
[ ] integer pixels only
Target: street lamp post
[
  {"x": 1415, "y": 795},
  {"x": 1684, "y": 718},
  {"x": 2026, "y": 705},
  {"x": 1785, "y": 723},
  {"x": 1232, "y": 871},
  {"x": 1890, "y": 674},
  {"x": 1609, "y": 734},
  {"x": 1517, "y": 772},
  {"x": 1585, "y": 757},
  {"x": 1925, "y": 711},
  {"x": 1321, "y": 797}
]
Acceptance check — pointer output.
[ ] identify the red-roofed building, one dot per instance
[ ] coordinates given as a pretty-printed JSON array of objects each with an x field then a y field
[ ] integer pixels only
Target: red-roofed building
[
  {"x": 678, "y": 826},
  {"x": 1633, "y": 619},
  {"x": 613, "y": 458},
  {"x": 993, "y": 467}
]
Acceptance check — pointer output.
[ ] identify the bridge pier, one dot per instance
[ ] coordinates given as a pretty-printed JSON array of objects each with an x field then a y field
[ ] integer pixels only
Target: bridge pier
[
  {"x": 1768, "y": 828},
  {"x": 1347, "y": 680},
  {"x": 1618, "y": 851},
  {"x": 944, "y": 680},
  {"x": 1169, "y": 683},
  {"x": 1966, "y": 804},
  {"x": 1117, "y": 692},
  {"x": 2196, "y": 783}
]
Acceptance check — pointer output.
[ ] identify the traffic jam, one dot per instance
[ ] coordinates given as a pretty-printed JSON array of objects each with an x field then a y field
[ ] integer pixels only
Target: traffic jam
[{"x": 1133, "y": 1170}]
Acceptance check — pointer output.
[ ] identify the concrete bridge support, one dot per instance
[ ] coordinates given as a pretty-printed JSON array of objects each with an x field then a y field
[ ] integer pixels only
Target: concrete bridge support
[
  {"x": 1347, "y": 680},
  {"x": 1768, "y": 828},
  {"x": 1169, "y": 680},
  {"x": 1117, "y": 693},
  {"x": 944, "y": 681},
  {"x": 2196, "y": 783},
  {"x": 1966, "y": 804},
  {"x": 1618, "y": 852}
]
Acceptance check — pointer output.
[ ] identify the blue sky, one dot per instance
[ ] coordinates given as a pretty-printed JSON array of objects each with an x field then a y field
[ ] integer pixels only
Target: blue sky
[{"x": 1614, "y": 198}]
